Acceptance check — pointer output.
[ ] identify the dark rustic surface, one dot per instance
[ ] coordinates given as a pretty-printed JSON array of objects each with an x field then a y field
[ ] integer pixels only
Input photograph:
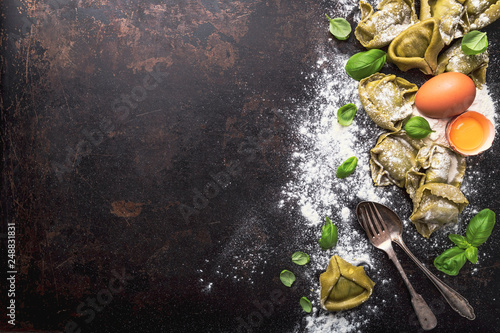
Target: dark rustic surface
[{"x": 118, "y": 115}]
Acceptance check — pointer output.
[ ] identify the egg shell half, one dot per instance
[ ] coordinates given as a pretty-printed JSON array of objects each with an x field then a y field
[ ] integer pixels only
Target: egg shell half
[
  {"x": 470, "y": 133},
  {"x": 445, "y": 95}
]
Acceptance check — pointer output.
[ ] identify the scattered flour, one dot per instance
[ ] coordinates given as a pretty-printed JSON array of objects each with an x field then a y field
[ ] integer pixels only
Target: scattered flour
[
  {"x": 484, "y": 104},
  {"x": 333, "y": 323},
  {"x": 323, "y": 145}
]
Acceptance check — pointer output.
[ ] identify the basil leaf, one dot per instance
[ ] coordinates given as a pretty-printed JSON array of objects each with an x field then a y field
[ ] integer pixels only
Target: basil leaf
[
  {"x": 364, "y": 64},
  {"x": 329, "y": 235},
  {"x": 300, "y": 258},
  {"x": 306, "y": 304},
  {"x": 474, "y": 42},
  {"x": 418, "y": 128},
  {"x": 339, "y": 28},
  {"x": 471, "y": 254},
  {"x": 347, "y": 168},
  {"x": 346, "y": 113},
  {"x": 451, "y": 261},
  {"x": 287, "y": 278},
  {"x": 459, "y": 241},
  {"x": 480, "y": 227}
]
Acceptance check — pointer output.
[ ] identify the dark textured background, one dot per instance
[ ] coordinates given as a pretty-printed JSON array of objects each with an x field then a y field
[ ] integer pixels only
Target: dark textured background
[{"x": 117, "y": 114}]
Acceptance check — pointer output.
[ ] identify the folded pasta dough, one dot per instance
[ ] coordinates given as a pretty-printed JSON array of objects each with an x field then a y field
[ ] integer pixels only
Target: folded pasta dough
[
  {"x": 344, "y": 286},
  {"x": 392, "y": 157},
  {"x": 414, "y": 180},
  {"x": 442, "y": 165},
  {"x": 452, "y": 16},
  {"x": 436, "y": 205},
  {"x": 378, "y": 29},
  {"x": 417, "y": 47},
  {"x": 455, "y": 60},
  {"x": 482, "y": 12},
  {"x": 387, "y": 99},
  {"x": 436, "y": 164}
]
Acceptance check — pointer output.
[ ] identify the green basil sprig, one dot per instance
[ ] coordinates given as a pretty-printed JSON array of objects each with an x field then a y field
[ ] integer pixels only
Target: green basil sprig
[
  {"x": 300, "y": 258},
  {"x": 478, "y": 231},
  {"x": 474, "y": 42},
  {"x": 346, "y": 113},
  {"x": 364, "y": 64},
  {"x": 287, "y": 278},
  {"x": 347, "y": 167},
  {"x": 306, "y": 304},
  {"x": 329, "y": 235},
  {"x": 418, "y": 128},
  {"x": 339, "y": 28}
]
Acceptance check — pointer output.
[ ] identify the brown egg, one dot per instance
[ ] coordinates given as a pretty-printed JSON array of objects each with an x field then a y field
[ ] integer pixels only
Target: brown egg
[{"x": 445, "y": 95}]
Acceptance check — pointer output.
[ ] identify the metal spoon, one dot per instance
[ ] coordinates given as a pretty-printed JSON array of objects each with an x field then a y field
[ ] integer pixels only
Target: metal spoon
[{"x": 456, "y": 301}]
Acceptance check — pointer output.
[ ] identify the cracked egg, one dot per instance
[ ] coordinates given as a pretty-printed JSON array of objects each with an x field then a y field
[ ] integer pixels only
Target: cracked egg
[{"x": 470, "y": 133}]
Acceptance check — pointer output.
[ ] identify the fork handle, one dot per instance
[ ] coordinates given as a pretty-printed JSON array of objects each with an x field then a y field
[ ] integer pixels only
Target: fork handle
[
  {"x": 425, "y": 316},
  {"x": 456, "y": 301}
]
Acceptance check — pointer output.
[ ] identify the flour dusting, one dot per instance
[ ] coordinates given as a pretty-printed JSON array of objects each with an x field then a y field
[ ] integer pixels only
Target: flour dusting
[{"x": 323, "y": 145}]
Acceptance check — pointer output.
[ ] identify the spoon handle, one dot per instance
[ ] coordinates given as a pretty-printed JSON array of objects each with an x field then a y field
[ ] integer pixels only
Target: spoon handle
[
  {"x": 426, "y": 318},
  {"x": 456, "y": 301}
]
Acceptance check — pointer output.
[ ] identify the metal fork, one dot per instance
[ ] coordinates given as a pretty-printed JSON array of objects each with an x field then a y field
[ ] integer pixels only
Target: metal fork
[{"x": 380, "y": 237}]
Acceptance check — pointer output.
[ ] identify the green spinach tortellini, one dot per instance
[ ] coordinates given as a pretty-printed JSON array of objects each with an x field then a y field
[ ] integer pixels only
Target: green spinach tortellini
[
  {"x": 436, "y": 205},
  {"x": 378, "y": 29},
  {"x": 394, "y": 155},
  {"x": 414, "y": 180},
  {"x": 442, "y": 165},
  {"x": 431, "y": 173},
  {"x": 417, "y": 47},
  {"x": 344, "y": 286},
  {"x": 435, "y": 164},
  {"x": 387, "y": 99},
  {"x": 452, "y": 16},
  {"x": 455, "y": 60},
  {"x": 482, "y": 12}
]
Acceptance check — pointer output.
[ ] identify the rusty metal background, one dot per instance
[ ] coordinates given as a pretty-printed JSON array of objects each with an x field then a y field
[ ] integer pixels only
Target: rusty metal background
[{"x": 139, "y": 136}]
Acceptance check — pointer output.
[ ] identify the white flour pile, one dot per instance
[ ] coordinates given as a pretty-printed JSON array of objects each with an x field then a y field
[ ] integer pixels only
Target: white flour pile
[{"x": 323, "y": 145}]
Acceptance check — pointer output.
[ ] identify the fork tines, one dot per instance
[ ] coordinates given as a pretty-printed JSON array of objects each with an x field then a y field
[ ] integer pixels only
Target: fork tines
[{"x": 373, "y": 223}]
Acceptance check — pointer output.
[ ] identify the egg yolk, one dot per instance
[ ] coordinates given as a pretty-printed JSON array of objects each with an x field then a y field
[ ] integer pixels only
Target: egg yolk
[{"x": 467, "y": 133}]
